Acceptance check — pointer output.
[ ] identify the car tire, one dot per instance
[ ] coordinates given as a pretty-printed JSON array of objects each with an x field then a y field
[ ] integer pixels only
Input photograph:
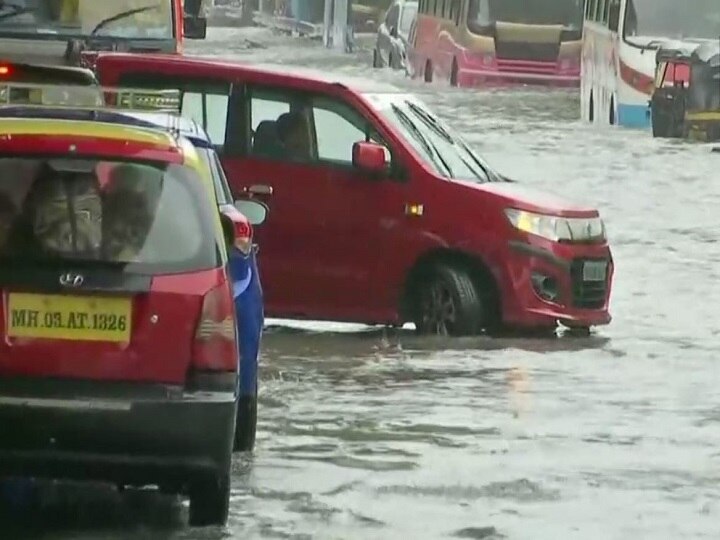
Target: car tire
[
  {"x": 450, "y": 303},
  {"x": 377, "y": 62},
  {"x": 210, "y": 500},
  {"x": 246, "y": 425}
]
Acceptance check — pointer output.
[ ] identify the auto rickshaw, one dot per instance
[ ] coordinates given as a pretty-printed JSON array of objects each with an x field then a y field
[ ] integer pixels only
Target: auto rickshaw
[{"x": 686, "y": 99}]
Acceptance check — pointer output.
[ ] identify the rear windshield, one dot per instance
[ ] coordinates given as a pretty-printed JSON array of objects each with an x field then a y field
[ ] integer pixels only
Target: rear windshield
[{"x": 148, "y": 218}]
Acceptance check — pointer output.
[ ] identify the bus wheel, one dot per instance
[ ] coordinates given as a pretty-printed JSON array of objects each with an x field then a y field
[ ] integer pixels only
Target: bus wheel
[
  {"x": 454, "y": 73},
  {"x": 428, "y": 72},
  {"x": 612, "y": 112},
  {"x": 591, "y": 111}
]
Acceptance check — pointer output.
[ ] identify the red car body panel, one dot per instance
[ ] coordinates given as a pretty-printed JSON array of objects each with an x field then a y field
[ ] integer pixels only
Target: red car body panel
[
  {"x": 341, "y": 246},
  {"x": 164, "y": 319}
]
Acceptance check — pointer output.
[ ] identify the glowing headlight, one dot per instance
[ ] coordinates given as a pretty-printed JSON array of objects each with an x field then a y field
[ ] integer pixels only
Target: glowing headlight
[{"x": 557, "y": 229}]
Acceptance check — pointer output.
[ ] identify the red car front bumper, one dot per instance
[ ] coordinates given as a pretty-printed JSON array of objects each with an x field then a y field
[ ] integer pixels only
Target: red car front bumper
[{"x": 545, "y": 283}]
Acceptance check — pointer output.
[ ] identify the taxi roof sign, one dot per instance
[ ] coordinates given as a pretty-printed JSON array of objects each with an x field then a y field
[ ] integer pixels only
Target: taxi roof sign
[{"x": 90, "y": 97}]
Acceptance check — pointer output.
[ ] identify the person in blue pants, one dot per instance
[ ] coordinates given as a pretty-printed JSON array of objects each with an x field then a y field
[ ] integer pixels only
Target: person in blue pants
[{"x": 249, "y": 311}]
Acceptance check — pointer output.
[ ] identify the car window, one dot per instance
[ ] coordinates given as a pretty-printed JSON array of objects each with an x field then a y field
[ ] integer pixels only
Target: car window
[
  {"x": 60, "y": 210},
  {"x": 208, "y": 110},
  {"x": 211, "y": 161},
  {"x": 338, "y": 127},
  {"x": 408, "y": 15},
  {"x": 299, "y": 128}
]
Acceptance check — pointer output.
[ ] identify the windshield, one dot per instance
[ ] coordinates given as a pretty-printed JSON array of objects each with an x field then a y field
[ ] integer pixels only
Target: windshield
[
  {"x": 53, "y": 211},
  {"x": 672, "y": 19},
  {"x": 53, "y": 19},
  {"x": 440, "y": 147},
  {"x": 406, "y": 19},
  {"x": 569, "y": 13}
]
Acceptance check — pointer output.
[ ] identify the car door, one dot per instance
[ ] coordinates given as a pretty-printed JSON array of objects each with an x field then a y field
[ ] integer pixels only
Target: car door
[{"x": 327, "y": 217}]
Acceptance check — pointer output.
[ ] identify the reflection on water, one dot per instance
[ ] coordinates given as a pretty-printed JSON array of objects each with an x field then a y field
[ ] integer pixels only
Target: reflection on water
[{"x": 374, "y": 433}]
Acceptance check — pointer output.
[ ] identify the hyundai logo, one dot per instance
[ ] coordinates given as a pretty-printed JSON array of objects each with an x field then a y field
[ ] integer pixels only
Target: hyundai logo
[{"x": 71, "y": 280}]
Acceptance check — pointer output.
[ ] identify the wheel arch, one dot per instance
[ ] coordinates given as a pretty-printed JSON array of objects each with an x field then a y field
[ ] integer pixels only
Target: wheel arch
[{"x": 478, "y": 269}]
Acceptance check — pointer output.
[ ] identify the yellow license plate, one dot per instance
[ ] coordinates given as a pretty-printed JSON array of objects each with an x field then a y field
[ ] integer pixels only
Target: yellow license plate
[{"x": 89, "y": 318}]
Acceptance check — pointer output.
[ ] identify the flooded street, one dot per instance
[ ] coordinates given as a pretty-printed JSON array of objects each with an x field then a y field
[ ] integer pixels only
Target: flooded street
[{"x": 371, "y": 433}]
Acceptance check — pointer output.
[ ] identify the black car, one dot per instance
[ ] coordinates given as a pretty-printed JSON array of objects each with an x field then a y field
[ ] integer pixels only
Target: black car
[{"x": 392, "y": 36}]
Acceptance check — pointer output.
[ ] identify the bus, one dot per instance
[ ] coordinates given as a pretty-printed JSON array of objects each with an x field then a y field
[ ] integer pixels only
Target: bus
[
  {"x": 43, "y": 31},
  {"x": 484, "y": 42},
  {"x": 620, "y": 42}
]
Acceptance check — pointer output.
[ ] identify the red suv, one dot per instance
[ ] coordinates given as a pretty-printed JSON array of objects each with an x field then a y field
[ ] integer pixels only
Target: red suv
[{"x": 383, "y": 214}]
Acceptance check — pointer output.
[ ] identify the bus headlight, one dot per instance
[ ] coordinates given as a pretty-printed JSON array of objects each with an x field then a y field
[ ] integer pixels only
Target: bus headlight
[{"x": 556, "y": 228}]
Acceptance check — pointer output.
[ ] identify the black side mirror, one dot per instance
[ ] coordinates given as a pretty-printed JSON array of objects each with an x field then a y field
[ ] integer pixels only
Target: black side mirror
[
  {"x": 614, "y": 16},
  {"x": 194, "y": 27}
]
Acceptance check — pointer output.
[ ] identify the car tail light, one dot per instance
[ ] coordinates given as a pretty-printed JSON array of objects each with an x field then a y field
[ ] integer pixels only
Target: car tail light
[
  {"x": 4, "y": 70},
  {"x": 243, "y": 236},
  {"x": 215, "y": 347}
]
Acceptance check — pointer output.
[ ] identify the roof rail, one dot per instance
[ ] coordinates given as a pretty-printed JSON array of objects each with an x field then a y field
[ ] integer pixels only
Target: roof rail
[{"x": 91, "y": 97}]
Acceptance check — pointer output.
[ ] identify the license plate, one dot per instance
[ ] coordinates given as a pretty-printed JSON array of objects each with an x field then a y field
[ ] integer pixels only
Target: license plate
[
  {"x": 89, "y": 318},
  {"x": 594, "y": 271}
]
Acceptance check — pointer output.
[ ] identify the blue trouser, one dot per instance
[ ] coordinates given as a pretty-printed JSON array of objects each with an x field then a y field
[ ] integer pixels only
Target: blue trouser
[{"x": 248, "y": 298}]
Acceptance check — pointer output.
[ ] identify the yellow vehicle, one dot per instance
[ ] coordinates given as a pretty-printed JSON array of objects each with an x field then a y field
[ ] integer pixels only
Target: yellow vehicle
[{"x": 118, "y": 352}]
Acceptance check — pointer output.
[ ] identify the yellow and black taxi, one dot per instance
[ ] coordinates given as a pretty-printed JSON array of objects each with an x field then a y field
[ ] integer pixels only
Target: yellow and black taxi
[
  {"x": 118, "y": 357},
  {"x": 686, "y": 99}
]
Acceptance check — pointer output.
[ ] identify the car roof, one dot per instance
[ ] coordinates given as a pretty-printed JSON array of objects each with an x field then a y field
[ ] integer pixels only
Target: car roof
[
  {"x": 301, "y": 77},
  {"x": 163, "y": 121}
]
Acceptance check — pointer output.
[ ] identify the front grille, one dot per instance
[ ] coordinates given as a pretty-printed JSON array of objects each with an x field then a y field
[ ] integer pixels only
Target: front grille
[
  {"x": 587, "y": 294},
  {"x": 533, "y": 52}
]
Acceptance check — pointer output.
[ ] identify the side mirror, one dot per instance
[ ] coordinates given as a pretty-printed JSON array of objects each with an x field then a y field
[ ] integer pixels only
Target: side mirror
[
  {"x": 194, "y": 27},
  {"x": 369, "y": 157},
  {"x": 394, "y": 31},
  {"x": 614, "y": 16},
  {"x": 255, "y": 211}
]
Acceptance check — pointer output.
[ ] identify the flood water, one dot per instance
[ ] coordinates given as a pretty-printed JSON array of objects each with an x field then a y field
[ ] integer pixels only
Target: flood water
[{"x": 367, "y": 433}]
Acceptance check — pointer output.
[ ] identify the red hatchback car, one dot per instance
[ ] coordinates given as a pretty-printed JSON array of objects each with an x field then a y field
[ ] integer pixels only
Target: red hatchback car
[
  {"x": 118, "y": 352},
  {"x": 382, "y": 213}
]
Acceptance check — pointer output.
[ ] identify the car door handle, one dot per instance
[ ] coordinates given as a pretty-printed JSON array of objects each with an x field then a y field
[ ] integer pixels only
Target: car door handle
[{"x": 259, "y": 189}]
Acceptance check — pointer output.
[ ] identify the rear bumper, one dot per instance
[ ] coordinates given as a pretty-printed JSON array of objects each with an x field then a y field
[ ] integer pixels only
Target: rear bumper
[
  {"x": 578, "y": 302},
  {"x": 125, "y": 433},
  {"x": 469, "y": 77}
]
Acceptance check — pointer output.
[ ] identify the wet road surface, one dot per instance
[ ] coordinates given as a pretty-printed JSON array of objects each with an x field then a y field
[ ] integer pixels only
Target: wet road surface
[{"x": 368, "y": 433}]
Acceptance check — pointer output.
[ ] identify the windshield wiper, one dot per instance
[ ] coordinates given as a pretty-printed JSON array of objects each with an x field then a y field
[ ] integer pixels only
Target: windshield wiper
[
  {"x": 437, "y": 127},
  {"x": 122, "y": 15},
  {"x": 429, "y": 148},
  {"x": 15, "y": 10},
  {"x": 430, "y": 121}
]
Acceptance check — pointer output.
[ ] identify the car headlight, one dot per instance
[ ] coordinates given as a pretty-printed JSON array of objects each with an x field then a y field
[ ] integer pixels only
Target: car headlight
[{"x": 555, "y": 228}]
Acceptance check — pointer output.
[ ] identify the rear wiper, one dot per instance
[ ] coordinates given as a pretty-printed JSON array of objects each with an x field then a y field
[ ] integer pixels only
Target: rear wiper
[
  {"x": 15, "y": 10},
  {"x": 429, "y": 148},
  {"x": 122, "y": 15}
]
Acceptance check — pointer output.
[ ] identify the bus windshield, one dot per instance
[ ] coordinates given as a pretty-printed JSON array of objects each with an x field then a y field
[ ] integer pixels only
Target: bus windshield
[
  {"x": 672, "y": 19},
  {"x": 568, "y": 13},
  {"x": 65, "y": 19}
]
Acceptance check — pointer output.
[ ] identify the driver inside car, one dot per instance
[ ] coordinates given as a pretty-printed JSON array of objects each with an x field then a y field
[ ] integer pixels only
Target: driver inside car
[{"x": 294, "y": 133}]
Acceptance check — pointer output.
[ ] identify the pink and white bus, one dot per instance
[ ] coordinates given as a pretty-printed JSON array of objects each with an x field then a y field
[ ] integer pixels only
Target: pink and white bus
[{"x": 484, "y": 42}]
